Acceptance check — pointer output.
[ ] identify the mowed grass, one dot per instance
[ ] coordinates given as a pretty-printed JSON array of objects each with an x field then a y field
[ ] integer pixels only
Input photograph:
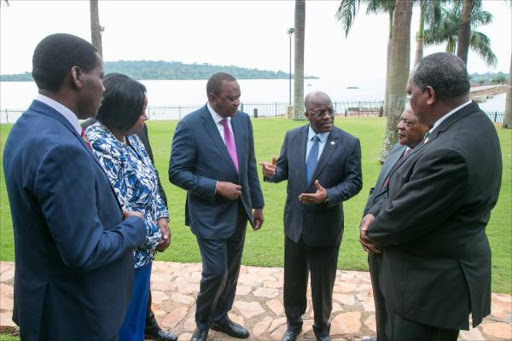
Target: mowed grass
[{"x": 265, "y": 247}]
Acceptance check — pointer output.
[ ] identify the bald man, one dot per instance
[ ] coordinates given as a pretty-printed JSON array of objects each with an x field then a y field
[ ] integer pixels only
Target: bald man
[{"x": 322, "y": 164}]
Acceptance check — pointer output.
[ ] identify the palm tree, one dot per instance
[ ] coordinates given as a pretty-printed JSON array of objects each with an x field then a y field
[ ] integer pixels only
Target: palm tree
[
  {"x": 446, "y": 31},
  {"x": 507, "y": 119},
  {"x": 95, "y": 27},
  {"x": 300, "y": 28},
  {"x": 346, "y": 13},
  {"x": 464, "y": 32},
  {"x": 399, "y": 72},
  {"x": 430, "y": 12}
]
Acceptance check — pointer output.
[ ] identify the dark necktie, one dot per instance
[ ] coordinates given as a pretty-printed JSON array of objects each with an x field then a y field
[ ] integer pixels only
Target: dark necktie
[
  {"x": 312, "y": 159},
  {"x": 404, "y": 155},
  {"x": 230, "y": 144}
]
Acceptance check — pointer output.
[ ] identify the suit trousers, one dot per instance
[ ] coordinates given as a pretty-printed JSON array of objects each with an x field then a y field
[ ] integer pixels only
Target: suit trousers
[
  {"x": 221, "y": 259},
  {"x": 403, "y": 329},
  {"x": 381, "y": 314},
  {"x": 299, "y": 261}
]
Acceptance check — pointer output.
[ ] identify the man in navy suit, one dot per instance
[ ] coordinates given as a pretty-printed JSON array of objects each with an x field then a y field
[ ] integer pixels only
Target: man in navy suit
[
  {"x": 322, "y": 164},
  {"x": 436, "y": 258},
  {"x": 213, "y": 159},
  {"x": 410, "y": 134},
  {"x": 73, "y": 242}
]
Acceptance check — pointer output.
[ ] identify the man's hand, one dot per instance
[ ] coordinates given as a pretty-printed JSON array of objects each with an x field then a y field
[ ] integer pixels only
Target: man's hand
[
  {"x": 368, "y": 244},
  {"x": 269, "y": 169},
  {"x": 127, "y": 214},
  {"x": 314, "y": 198},
  {"x": 163, "y": 225},
  {"x": 258, "y": 218},
  {"x": 228, "y": 190}
]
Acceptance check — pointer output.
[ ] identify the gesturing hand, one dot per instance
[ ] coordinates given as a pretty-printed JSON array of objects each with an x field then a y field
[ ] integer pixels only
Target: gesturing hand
[
  {"x": 228, "y": 190},
  {"x": 314, "y": 198},
  {"x": 269, "y": 169}
]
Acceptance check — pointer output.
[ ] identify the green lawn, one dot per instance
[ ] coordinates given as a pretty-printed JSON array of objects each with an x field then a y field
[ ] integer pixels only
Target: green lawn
[{"x": 265, "y": 247}]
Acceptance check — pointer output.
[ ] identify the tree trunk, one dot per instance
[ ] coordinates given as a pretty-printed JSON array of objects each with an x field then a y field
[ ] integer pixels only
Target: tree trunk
[
  {"x": 464, "y": 32},
  {"x": 507, "y": 118},
  {"x": 300, "y": 28},
  {"x": 95, "y": 27},
  {"x": 388, "y": 65},
  {"x": 399, "y": 72},
  {"x": 419, "y": 37}
]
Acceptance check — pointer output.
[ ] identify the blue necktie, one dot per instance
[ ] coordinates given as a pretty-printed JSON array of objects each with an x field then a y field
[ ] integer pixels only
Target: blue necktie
[{"x": 312, "y": 159}]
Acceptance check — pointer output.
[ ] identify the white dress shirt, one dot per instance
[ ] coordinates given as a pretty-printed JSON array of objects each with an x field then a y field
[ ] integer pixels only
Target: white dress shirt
[{"x": 64, "y": 111}]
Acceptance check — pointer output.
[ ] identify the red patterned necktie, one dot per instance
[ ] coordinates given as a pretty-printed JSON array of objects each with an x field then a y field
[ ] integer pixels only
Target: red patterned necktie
[
  {"x": 86, "y": 140},
  {"x": 404, "y": 155},
  {"x": 230, "y": 144}
]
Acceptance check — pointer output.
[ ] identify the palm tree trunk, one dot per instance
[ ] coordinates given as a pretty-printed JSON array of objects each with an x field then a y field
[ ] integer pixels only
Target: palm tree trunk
[
  {"x": 400, "y": 56},
  {"x": 388, "y": 64},
  {"x": 464, "y": 31},
  {"x": 95, "y": 27},
  {"x": 507, "y": 119},
  {"x": 300, "y": 28},
  {"x": 419, "y": 37}
]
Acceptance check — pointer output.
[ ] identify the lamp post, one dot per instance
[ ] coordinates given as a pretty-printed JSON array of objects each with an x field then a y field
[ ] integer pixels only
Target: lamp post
[{"x": 290, "y": 32}]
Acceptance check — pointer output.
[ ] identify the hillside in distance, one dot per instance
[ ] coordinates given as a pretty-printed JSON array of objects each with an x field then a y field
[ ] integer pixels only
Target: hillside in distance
[{"x": 161, "y": 70}]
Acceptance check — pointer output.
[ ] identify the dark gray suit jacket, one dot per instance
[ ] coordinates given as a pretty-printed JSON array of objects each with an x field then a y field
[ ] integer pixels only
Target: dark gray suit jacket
[
  {"x": 199, "y": 158},
  {"x": 377, "y": 194},
  {"x": 338, "y": 171},
  {"x": 437, "y": 258}
]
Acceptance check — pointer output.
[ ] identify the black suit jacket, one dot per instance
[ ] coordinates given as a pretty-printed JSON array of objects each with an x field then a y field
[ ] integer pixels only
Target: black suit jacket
[
  {"x": 338, "y": 171},
  {"x": 436, "y": 257}
]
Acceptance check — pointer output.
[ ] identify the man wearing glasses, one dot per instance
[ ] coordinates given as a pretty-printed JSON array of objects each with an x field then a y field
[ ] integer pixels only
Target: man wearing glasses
[{"x": 322, "y": 164}]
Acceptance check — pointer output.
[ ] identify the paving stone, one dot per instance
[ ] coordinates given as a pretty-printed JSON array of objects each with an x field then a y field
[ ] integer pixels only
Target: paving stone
[
  {"x": 346, "y": 323},
  {"x": 184, "y": 299},
  {"x": 471, "y": 335},
  {"x": 243, "y": 290},
  {"x": 346, "y": 288},
  {"x": 249, "y": 309},
  {"x": 158, "y": 296},
  {"x": 336, "y": 307},
  {"x": 174, "y": 317},
  {"x": 187, "y": 336},
  {"x": 500, "y": 308},
  {"x": 307, "y": 325},
  {"x": 4, "y": 266},
  {"x": 185, "y": 287},
  {"x": 6, "y": 291},
  {"x": 265, "y": 292},
  {"x": 276, "y": 323},
  {"x": 163, "y": 286},
  {"x": 344, "y": 299},
  {"x": 371, "y": 323},
  {"x": 278, "y": 333},
  {"x": 262, "y": 326},
  {"x": 6, "y": 319},
  {"x": 273, "y": 284},
  {"x": 6, "y": 304},
  {"x": 237, "y": 318},
  {"x": 276, "y": 306},
  {"x": 502, "y": 298},
  {"x": 190, "y": 323},
  {"x": 195, "y": 277},
  {"x": 7, "y": 275},
  {"x": 498, "y": 330}
]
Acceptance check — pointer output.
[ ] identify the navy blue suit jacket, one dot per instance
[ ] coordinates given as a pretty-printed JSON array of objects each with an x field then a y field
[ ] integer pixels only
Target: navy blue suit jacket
[
  {"x": 338, "y": 171},
  {"x": 199, "y": 158},
  {"x": 73, "y": 251}
]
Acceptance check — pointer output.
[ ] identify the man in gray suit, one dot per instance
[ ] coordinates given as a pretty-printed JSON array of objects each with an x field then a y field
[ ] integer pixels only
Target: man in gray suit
[
  {"x": 410, "y": 134},
  {"x": 322, "y": 164},
  {"x": 436, "y": 259}
]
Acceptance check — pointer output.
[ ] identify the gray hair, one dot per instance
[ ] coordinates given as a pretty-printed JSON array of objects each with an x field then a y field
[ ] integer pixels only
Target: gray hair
[{"x": 445, "y": 73}]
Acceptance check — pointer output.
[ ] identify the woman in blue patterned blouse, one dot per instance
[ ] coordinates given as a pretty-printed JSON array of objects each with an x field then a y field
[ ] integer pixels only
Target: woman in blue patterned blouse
[{"x": 133, "y": 176}]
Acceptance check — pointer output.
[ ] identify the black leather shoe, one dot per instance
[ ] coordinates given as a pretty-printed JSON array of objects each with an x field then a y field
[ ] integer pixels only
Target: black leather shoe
[
  {"x": 232, "y": 329},
  {"x": 199, "y": 335},
  {"x": 160, "y": 334},
  {"x": 291, "y": 334}
]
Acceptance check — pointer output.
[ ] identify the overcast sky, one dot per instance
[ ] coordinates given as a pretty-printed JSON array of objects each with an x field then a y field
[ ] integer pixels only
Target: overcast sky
[{"x": 250, "y": 34}]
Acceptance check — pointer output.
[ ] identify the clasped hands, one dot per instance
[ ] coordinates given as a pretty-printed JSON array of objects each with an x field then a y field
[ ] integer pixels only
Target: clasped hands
[
  {"x": 269, "y": 170},
  {"x": 369, "y": 245}
]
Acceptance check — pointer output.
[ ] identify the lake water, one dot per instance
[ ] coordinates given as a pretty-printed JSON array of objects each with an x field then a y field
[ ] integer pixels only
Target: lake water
[{"x": 192, "y": 93}]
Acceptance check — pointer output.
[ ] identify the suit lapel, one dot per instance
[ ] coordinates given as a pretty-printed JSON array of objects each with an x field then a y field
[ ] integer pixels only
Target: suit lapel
[
  {"x": 390, "y": 163},
  {"x": 213, "y": 131}
]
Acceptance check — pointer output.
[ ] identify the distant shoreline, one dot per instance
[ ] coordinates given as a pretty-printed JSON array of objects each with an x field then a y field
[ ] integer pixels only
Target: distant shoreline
[{"x": 482, "y": 93}]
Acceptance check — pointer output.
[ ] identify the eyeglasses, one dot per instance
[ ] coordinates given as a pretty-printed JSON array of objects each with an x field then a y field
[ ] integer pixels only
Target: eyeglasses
[
  {"x": 408, "y": 123},
  {"x": 322, "y": 113}
]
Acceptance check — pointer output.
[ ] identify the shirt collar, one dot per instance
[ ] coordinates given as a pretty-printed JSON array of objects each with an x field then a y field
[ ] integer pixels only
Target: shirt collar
[
  {"x": 439, "y": 121},
  {"x": 61, "y": 109},
  {"x": 216, "y": 117},
  {"x": 321, "y": 136}
]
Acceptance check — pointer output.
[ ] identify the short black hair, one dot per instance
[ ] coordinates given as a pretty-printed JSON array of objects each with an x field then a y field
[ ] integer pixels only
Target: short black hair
[
  {"x": 444, "y": 72},
  {"x": 123, "y": 102},
  {"x": 56, "y": 54},
  {"x": 215, "y": 82}
]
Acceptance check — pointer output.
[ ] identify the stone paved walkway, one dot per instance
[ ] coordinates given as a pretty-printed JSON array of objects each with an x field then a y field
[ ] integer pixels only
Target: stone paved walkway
[{"x": 258, "y": 304}]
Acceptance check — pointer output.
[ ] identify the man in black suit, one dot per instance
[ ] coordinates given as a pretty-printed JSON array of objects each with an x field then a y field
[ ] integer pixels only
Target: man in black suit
[
  {"x": 151, "y": 328},
  {"x": 436, "y": 259},
  {"x": 410, "y": 134},
  {"x": 322, "y": 164}
]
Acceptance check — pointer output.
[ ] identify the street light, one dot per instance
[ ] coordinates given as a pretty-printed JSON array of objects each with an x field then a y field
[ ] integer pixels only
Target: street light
[{"x": 290, "y": 32}]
